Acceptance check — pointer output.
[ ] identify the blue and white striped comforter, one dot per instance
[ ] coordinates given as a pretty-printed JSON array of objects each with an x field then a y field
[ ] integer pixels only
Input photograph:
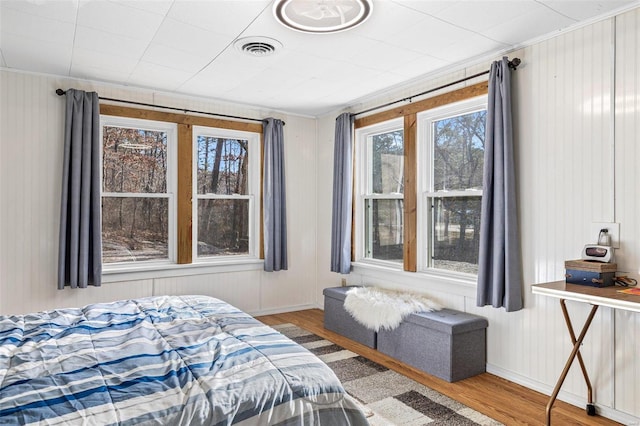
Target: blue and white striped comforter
[{"x": 189, "y": 360}]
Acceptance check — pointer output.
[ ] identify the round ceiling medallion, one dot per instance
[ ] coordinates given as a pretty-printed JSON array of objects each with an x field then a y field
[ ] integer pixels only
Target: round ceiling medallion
[{"x": 322, "y": 16}]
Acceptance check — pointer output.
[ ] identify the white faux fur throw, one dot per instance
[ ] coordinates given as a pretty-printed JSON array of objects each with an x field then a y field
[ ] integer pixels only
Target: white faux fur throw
[{"x": 377, "y": 308}]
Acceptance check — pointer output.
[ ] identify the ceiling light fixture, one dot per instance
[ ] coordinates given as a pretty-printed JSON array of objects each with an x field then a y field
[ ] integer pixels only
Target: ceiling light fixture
[{"x": 322, "y": 16}]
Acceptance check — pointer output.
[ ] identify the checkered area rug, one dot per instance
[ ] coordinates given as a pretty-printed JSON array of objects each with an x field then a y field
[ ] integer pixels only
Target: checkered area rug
[{"x": 387, "y": 398}]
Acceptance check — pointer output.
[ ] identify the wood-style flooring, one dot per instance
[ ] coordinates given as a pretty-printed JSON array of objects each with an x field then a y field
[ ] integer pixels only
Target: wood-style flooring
[{"x": 495, "y": 397}]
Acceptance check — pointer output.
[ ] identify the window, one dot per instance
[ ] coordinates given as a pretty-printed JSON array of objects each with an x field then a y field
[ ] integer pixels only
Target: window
[
  {"x": 161, "y": 206},
  {"x": 418, "y": 188},
  {"x": 453, "y": 141},
  {"x": 137, "y": 190},
  {"x": 225, "y": 184},
  {"x": 380, "y": 204}
]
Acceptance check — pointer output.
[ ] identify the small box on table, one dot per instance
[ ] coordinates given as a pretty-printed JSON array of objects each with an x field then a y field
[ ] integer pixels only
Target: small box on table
[{"x": 591, "y": 273}]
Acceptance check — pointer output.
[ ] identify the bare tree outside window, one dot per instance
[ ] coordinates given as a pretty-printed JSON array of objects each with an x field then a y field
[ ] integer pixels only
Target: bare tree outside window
[
  {"x": 223, "y": 201},
  {"x": 384, "y": 207},
  {"x": 135, "y": 204},
  {"x": 458, "y": 160}
]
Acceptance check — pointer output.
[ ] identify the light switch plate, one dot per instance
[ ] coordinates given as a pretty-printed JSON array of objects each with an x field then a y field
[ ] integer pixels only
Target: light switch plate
[{"x": 613, "y": 231}]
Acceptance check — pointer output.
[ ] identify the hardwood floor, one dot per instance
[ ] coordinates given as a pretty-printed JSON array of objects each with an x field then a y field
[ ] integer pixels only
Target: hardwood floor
[{"x": 499, "y": 399}]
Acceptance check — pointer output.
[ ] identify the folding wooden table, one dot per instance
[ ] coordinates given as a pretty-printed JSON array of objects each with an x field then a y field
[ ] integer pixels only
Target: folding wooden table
[{"x": 596, "y": 297}]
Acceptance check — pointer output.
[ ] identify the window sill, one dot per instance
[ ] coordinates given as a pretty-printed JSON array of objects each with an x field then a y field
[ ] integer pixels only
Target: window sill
[
  {"x": 120, "y": 273},
  {"x": 450, "y": 283}
]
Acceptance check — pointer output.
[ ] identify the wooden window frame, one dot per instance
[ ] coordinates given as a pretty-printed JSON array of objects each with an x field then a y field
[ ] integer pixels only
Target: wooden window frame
[
  {"x": 409, "y": 113},
  {"x": 185, "y": 123}
]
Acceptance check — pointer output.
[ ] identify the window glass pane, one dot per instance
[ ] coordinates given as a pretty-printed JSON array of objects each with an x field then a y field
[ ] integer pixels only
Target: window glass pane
[
  {"x": 223, "y": 227},
  {"x": 134, "y": 160},
  {"x": 459, "y": 152},
  {"x": 387, "y": 163},
  {"x": 222, "y": 166},
  {"x": 134, "y": 229},
  {"x": 384, "y": 229},
  {"x": 456, "y": 223}
]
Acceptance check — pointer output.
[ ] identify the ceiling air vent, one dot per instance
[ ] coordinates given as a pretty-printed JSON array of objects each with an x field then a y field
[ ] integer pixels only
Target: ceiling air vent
[{"x": 257, "y": 46}]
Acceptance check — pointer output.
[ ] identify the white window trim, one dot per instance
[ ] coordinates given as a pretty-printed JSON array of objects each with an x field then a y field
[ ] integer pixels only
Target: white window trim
[
  {"x": 425, "y": 178},
  {"x": 253, "y": 189},
  {"x": 363, "y": 188},
  {"x": 172, "y": 149}
]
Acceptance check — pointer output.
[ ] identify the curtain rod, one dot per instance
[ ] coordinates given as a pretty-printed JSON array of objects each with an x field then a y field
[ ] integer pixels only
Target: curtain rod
[
  {"x": 61, "y": 92},
  {"x": 513, "y": 64}
]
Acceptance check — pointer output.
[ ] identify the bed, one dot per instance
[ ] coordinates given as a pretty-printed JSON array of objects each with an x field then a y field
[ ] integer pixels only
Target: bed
[{"x": 181, "y": 360}]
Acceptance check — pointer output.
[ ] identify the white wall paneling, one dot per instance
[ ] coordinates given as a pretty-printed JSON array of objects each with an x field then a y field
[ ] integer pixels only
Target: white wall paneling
[{"x": 627, "y": 202}]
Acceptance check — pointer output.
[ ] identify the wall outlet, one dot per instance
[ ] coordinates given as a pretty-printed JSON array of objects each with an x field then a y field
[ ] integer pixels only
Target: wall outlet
[
  {"x": 343, "y": 282},
  {"x": 613, "y": 229}
]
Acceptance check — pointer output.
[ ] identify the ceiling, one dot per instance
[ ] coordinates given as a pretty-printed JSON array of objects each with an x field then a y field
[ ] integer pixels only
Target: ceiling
[{"x": 187, "y": 46}]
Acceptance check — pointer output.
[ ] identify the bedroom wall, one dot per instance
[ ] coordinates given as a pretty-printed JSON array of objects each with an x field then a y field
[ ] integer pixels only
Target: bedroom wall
[
  {"x": 31, "y": 133},
  {"x": 577, "y": 127}
]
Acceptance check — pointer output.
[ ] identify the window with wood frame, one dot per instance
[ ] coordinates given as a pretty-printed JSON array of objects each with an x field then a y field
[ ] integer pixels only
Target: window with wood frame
[
  {"x": 178, "y": 189},
  {"x": 450, "y": 174},
  {"x": 380, "y": 199},
  {"x": 138, "y": 187},
  {"x": 225, "y": 186},
  {"x": 438, "y": 212}
]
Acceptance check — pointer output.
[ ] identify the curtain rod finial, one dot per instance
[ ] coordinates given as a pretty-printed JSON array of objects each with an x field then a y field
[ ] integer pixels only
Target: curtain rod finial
[
  {"x": 60, "y": 92},
  {"x": 513, "y": 64}
]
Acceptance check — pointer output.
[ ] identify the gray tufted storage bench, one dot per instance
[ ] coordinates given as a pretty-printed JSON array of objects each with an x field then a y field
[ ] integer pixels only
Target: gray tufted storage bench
[
  {"x": 338, "y": 320},
  {"x": 448, "y": 344}
]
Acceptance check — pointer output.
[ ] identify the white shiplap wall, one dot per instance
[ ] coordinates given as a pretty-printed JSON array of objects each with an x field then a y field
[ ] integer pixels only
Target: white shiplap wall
[
  {"x": 627, "y": 202},
  {"x": 567, "y": 138},
  {"x": 31, "y": 133}
]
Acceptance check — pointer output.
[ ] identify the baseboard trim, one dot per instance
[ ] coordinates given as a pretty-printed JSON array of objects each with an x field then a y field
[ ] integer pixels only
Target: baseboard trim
[
  {"x": 282, "y": 310},
  {"x": 568, "y": 397}
]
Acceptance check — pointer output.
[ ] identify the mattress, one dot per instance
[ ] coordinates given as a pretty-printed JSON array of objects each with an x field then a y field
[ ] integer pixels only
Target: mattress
[{"x": 182, "y": 360}]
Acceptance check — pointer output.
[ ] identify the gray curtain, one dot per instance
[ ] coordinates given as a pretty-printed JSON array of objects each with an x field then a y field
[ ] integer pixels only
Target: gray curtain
[
  {"x": 80, "y": 249},
  {"x": 500, "y": 271},
  {"x": 341, "y": 215},
  {"x": 274, "y": 199}
]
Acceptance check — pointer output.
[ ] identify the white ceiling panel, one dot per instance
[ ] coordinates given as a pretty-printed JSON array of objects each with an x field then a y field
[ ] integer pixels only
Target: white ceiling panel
[
  {"x": 162, "y": 77},
  {"x": 478, "y": 16},
  {"x": 90, "y": 59},
  {"x": 176, "y": 59},
  {"x": 192, "y": 39},
  {"x": 30, "y": 54},
  {"x": 160, "y": 7},
  {"x": 222, "y": 17},
  {"x": 119, "y": 18},
  {"x": 59, "y": 10},
  {"x": 34, "y": 27},
  {"x": 431, "y": 7},
  {"x": 305, "y": 64},
  {"x": 580, "y": 10},
  {"x": 394, "y": 55},
  {"x": 540, "y": 20},
  {"x": 114, "y": 44},
  {"x": 431, "y": 35},
  {"x": 388, "y": 19},
  {"x": 469, "y": 47},
  {"x": 187, "y": 46},
  {"x": 425, "y": 64}
]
